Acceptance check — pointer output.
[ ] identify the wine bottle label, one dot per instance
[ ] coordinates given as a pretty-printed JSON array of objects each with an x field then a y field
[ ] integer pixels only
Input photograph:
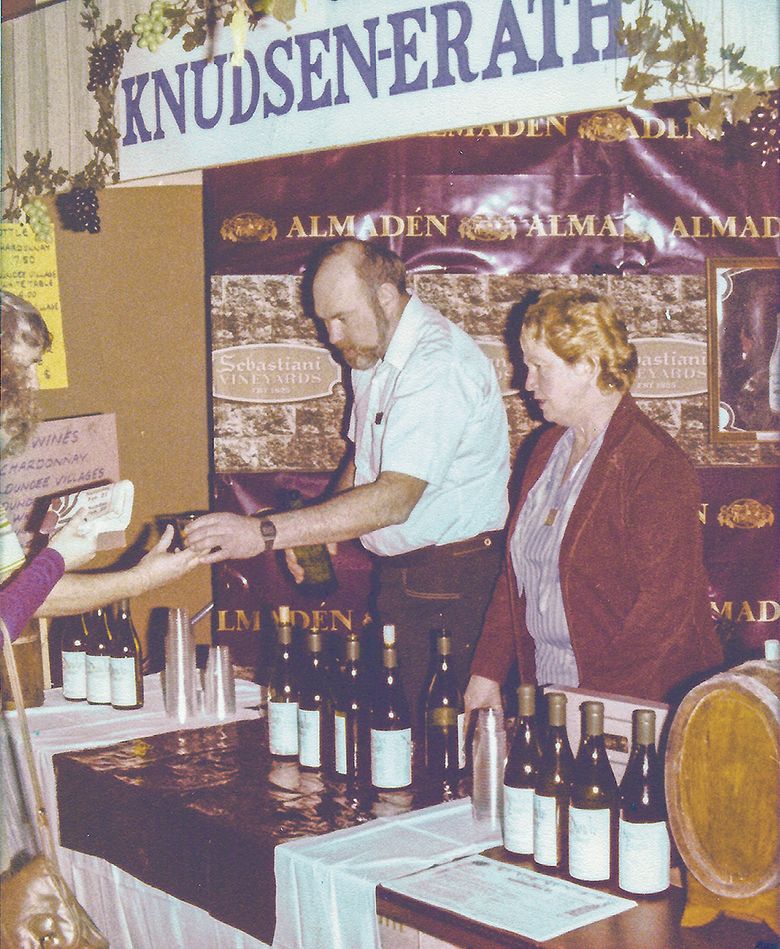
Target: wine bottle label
[
  {"x": 340, "y": 739},
  {"x": 589, "y": 843},
  {"x": 645, "y": 855},
  {"x": 99, "y": 679},
  {"x": 309, "y": 738},
  {"x": 461, "y": 741},
  {"x": 519, "y": 819},
  {"x": 283, "y": 728},
  {"x": 74, "y": 675},
  {"x": 123, "y": 683},
  {"x": 546, "y": 836},
  {"x": 391, "y": 758}
]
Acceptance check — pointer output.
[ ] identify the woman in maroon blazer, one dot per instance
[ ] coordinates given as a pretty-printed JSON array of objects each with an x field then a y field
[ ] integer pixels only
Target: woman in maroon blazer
[{"x": 603, "y": 584}]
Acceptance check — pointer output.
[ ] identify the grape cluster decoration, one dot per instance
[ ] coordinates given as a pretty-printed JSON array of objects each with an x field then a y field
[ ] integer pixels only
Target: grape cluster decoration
[
  {"x": 151, "y": 28},
  {"x": 38, "y": 220},
  {"x": 78, "y": 210},
  {"x": 105, "y": 61}
]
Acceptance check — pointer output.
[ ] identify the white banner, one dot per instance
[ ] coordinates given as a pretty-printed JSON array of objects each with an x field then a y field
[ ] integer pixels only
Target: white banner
[{"x": 358, "y": 72}]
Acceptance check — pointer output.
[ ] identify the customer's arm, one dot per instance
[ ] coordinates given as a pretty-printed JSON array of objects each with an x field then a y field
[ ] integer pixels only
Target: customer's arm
[
  {"x": 70, "y": 547},
  {"x": 81, "y": 592}
]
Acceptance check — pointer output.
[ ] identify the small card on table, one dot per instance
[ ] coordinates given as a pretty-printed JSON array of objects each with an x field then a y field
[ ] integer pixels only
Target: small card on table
[{"x": 509, "y": 897}]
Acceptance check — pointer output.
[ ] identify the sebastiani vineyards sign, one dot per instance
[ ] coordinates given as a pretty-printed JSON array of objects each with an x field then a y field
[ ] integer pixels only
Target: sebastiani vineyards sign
[{"x": 353, "y": 71}]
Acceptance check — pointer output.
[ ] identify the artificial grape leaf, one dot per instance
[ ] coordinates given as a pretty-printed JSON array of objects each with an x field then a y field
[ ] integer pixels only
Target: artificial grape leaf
[
  {"x": 284, "y": 11},
  {"x": 195, "y": 38},
  {"x": 743, "y": 104}
]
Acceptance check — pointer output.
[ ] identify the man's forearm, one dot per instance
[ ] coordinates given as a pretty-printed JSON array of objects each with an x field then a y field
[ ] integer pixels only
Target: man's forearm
[{"x": 360, "y": 510}]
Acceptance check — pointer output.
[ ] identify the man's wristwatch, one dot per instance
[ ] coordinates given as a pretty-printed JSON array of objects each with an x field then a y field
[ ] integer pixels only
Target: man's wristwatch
[{"x": 267, "y": 529}]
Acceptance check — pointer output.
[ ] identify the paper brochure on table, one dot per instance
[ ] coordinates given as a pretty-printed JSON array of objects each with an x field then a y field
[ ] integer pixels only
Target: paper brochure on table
[{"x": 509, "y": 897}]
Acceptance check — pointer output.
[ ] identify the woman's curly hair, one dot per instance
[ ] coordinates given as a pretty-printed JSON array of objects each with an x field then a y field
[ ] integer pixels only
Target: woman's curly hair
[{"x": 579, "y": 324}]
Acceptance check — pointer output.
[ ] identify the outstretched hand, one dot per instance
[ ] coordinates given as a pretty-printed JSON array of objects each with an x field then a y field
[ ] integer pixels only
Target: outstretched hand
[{"x": 159, "y": 567}]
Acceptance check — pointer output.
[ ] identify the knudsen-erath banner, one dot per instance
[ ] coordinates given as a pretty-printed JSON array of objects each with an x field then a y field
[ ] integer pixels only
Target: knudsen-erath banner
[{"x": 357, "y": 72}]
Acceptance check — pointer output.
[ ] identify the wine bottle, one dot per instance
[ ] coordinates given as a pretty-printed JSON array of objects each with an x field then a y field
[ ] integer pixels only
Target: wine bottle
[
  {"x": 552, "y": 789},
  {"x": 350, "y": 717},
  {"x": 391, "y": 731},
  {"x": 313, "y": 705},
  {"x": 127, "y": 681},
  {"x": 644, "y": 849},
  {"x": 520, "y": 776},
  {"x": 98, "y": 658},
  {"x": 283, "y": 693},
  {"x": 319, "y": 577},
  {"x": 444, "y": 716},
  {"x": 594, "y": 807},
  {"x": 74, "y": 659}
]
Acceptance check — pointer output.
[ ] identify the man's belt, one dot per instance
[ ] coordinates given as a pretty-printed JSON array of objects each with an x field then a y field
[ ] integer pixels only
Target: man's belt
[{"x": 437, "y": 553}]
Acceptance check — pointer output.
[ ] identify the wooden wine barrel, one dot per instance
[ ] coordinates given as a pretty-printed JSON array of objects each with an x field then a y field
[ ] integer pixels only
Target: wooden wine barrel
[{"x": 723, "y": 780}]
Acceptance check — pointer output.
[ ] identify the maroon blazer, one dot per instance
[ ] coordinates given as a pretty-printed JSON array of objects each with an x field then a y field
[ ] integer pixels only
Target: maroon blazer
[{"x": 634, "y": 587}]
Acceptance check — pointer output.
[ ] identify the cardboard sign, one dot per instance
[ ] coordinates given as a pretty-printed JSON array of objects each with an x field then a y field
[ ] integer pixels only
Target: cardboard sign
[{"x": 62, "y": 456}]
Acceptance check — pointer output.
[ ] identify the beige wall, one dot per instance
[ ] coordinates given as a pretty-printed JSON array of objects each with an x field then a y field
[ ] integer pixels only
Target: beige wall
[{"x": 134, "y": 323}]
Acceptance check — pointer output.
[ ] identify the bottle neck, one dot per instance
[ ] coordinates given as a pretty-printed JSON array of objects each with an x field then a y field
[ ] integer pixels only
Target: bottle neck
[
  {"x": 284, "y": 636},
  {"x": 389, "y": 658}
]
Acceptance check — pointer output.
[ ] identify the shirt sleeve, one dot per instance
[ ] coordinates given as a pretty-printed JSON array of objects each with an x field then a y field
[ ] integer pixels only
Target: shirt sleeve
[{"x": 21, "y": 596}]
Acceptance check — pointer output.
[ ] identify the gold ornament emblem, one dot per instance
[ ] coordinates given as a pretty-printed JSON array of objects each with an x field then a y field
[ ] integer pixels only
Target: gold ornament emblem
[
  {"x": 604, "y": 127},
  {"x": 488, "y": 227},
  {"x": 635, "y": 237},
  {"x": 747, "y": 514},
  {"x": 248, "y": 228}
]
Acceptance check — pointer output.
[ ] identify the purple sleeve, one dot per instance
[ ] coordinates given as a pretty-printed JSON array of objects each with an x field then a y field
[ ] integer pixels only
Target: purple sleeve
[{"x": 21, "y": 597}]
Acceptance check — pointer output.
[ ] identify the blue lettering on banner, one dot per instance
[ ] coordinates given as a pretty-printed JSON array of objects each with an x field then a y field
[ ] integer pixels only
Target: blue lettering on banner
[
  {"x": 241, "y": 114},
  {"x": 326, "y": 68}
]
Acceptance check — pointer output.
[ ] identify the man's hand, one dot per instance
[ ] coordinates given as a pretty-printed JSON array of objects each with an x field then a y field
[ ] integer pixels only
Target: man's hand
[
  {"x": 159, "y": 567},
  {"x": 296, "y": 569},
  {"x": 76, "y": 542},
  {"x": 217, "y": 537}
]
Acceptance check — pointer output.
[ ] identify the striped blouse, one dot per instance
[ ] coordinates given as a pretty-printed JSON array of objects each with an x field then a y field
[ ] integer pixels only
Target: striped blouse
[{"x": 535, "y": 550}]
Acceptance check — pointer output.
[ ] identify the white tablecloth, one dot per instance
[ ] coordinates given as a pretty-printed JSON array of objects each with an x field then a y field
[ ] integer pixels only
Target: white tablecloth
[
  {"x": 132, "y": 914},
  {"x": 326, "y": 886}
]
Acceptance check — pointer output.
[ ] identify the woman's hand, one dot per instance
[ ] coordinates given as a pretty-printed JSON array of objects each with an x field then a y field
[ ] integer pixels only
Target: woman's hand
[
  {"x": 76, "y": 542},
  {"x": 159, "y": 567},
  {"x": 481, "y": 693}
]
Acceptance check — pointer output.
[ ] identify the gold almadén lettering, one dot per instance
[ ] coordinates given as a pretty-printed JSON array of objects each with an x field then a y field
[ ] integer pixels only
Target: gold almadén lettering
[
  {"x": 572, "y": 225},
  {"x": 701, "y": 227},
  {"x": 767, "y": 611},
  {"x": 541, "y": 127},
  {"x": 325, "y": 620},
  {"x": 237, "y": 621},
  {"x": 384, "y": 225}
]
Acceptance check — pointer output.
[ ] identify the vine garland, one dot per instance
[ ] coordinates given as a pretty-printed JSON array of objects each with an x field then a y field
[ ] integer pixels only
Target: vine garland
[{"x": 670, "y": 48}]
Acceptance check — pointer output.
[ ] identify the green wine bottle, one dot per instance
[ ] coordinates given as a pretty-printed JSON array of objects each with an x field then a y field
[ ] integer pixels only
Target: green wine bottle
[
  {"x": 593, "y": 810},
  {"x": 283, "y": 692},
  {"x": 552, "y": 789},
  {"x": 520, "y": 777},
  {"x": 644, "y": 848}
]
